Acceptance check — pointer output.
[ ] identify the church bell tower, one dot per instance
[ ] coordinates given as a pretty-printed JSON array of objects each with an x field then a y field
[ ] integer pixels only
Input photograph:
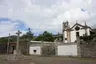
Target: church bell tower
[{"x": 66, "y": 32}]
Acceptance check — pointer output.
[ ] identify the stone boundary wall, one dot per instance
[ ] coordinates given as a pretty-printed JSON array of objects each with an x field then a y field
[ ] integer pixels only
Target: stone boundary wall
[
  {"x": 87, "y": 49},
  {"x": 3, "y": 48}
]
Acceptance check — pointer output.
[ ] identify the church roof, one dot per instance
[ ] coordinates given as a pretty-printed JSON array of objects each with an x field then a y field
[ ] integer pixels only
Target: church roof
[{"x": 83, "y": 26}]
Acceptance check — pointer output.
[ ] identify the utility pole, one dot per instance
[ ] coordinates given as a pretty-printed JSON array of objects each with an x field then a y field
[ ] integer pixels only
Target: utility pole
[
  {"x": 17, "y": 44},
  {"x": 8, "y": 43}
]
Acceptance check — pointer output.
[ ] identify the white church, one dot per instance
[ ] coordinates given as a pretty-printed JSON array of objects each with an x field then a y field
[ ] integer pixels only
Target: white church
[
  {"x": 68, "y": 47},
  {"x": 70, "y": 33}
]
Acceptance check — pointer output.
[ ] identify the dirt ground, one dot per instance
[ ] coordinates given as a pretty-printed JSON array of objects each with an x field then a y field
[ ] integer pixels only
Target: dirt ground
[{"x": 46, "y": 60}]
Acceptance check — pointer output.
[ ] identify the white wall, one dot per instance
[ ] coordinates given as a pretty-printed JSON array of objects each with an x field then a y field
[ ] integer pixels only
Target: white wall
[
  {"x": 66, "y": 50},
  {"x": 73, "y": 36},
  {"x": 88, "y": 31},
  {"x": 81, "y": 33},
  {"x": 37, "y": 48},
  {"x": 65, "y": 36}
]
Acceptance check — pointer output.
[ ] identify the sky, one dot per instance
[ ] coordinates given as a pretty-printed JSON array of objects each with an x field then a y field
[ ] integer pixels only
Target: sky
[{"x": 44, "y": 15}]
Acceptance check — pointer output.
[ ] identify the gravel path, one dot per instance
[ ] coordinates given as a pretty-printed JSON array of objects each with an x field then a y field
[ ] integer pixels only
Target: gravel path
[{"x": 46, "y": 60}]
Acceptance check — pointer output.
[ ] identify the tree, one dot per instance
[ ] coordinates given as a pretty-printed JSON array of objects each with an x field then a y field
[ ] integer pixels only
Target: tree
[
  {"x": 39, "y": 38},
  {"x": 12, "y": 38},
  {"x": 28, "y": 35},
  {"x": 46, "y": 36},
  {"x": 3, "y": 39}
]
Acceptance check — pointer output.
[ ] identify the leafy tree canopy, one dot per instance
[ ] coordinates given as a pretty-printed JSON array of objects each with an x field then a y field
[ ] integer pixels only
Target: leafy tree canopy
[{"x": 46, "y": 36}]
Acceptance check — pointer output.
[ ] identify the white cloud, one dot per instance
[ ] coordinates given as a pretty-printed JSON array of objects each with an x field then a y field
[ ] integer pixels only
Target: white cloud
[
  {"x": 9, "y": 26},
  {"x": 49, "y": 14},
  {"x": 6, "y": 27}
]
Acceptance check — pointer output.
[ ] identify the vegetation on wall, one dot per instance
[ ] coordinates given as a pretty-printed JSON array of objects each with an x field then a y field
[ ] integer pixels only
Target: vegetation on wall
[{"x": 88, "y": 38}]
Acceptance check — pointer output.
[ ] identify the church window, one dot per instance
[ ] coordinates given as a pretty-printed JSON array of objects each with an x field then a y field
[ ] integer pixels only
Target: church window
[{"x": 77, "y": 28}]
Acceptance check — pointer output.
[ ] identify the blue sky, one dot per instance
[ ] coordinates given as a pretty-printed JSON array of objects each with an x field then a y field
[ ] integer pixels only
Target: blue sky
[
  {"x": 19, "y": 24},
  {"x": 4, "y": 19},
  {"x": 44, "y": 15}
]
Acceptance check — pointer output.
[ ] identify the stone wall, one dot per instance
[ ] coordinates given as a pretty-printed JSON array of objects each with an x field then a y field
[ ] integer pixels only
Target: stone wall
[
  {"x": 86, "y": 49},
  {"x": 3, "y": 48},
  {"x": 48, "y": 50},
  {"x": 24, "y": 47}
]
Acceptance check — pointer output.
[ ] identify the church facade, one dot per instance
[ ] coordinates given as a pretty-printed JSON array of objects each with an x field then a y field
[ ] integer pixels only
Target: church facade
[{"x": 70, "y": 34}]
